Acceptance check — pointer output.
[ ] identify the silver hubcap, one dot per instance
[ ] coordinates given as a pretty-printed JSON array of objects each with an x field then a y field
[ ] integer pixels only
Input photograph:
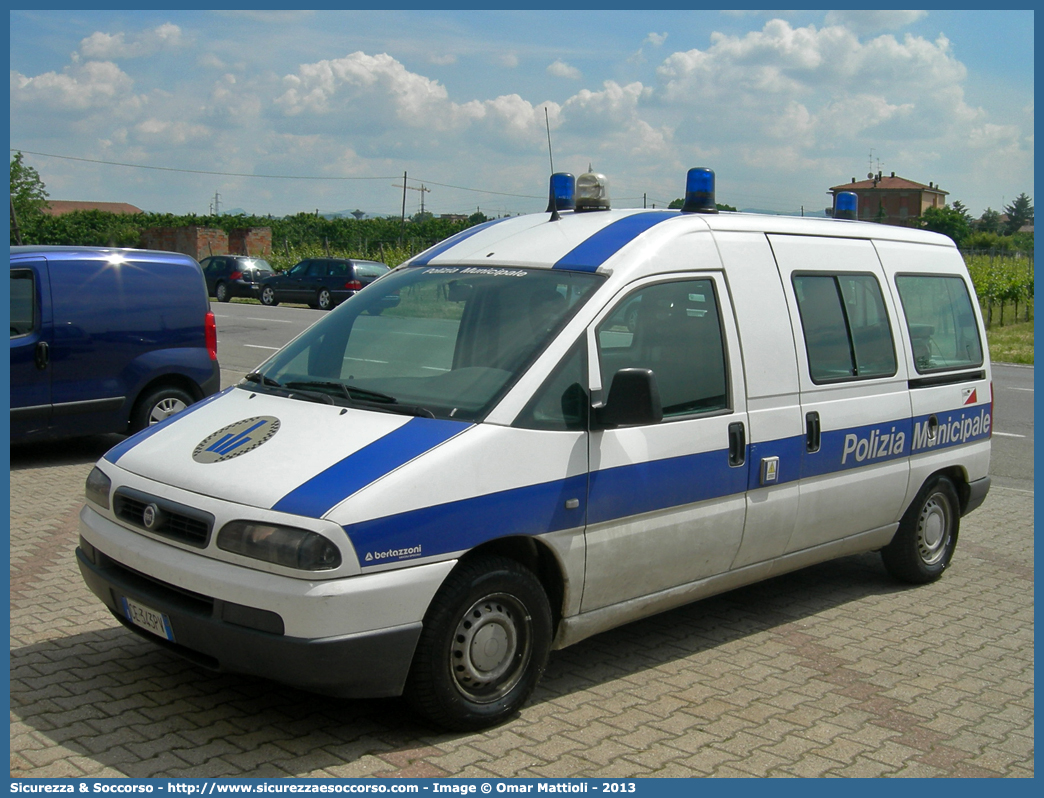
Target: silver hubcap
[
  {"x": 324, "y": 300},
  {"x": 267, "y": 295},
  {"x": 221, "y": 291},
  {"x": 491, "y": 648},
  {"x": 165, "y": 408},
  {"x": 933, "y": 529}
]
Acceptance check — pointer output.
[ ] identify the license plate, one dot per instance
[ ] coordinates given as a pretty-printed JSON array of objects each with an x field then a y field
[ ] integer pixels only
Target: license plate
[{"x": 148, "y": 618}]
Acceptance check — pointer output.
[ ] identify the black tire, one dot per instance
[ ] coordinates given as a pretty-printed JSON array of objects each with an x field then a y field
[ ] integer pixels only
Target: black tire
[
  {"x": 221, "y": 293},
  {"x": 927, "y": 536},
  {"x": 158, "y": 405},
  {"x": 324, "y": 299},
  {"x": 268, "y": 296},
  {"x": 493, "y": 603}
]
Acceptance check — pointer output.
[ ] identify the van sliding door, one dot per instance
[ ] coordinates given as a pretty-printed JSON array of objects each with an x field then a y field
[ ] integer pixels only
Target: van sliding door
[{"x": 853, "y": 382}]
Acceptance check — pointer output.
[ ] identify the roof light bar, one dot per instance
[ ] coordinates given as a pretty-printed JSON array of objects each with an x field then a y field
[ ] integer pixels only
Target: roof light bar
[
  {"x": 561, "y": 193},
  {"x": 699, "y": 191},
  {"x": 592, "y": 192},
  {"x": 846, "y": 205}
]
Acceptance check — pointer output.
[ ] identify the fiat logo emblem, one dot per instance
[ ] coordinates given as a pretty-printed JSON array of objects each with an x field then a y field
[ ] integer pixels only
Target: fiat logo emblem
[{"x": 150, "y": 515}]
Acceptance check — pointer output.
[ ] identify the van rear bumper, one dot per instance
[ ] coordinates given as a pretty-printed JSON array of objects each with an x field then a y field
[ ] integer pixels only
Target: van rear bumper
[
  {"x": 368, "y": 664},
  {"x": 977, "y": 491}
]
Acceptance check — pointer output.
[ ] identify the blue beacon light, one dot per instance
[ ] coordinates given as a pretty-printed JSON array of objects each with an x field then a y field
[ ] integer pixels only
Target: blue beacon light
[
  {"x": 846, "y": 205},
  {"x": 699, "y": 191},
  {"x": 561, "y": 193}
]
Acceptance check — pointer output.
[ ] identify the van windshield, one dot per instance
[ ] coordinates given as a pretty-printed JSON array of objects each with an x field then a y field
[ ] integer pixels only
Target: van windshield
[{"x": 444, "y": 341}]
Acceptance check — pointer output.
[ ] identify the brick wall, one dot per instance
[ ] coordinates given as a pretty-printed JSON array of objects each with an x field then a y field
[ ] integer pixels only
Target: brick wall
[
  {"x": 251, "y": 241},
  {"x": 201, "y": 242}
]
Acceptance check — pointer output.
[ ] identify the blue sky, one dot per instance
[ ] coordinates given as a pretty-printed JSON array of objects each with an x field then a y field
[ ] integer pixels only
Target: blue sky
[{"x": 782, "y": 105}]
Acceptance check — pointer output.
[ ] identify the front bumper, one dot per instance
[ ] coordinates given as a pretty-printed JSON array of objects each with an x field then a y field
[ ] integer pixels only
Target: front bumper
[{"x": 224, "y": 636}]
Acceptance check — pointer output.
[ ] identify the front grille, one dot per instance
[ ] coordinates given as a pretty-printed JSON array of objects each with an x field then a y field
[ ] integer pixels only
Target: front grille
[{"x": 171, "y": 520}]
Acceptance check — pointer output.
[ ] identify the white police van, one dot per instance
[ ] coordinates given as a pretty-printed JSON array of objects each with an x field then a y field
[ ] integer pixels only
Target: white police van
[{"x": 567, "y": 421}]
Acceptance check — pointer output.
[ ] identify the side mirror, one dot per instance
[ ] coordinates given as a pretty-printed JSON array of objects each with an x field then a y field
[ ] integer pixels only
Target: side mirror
[{"x": 634, "y": 399}]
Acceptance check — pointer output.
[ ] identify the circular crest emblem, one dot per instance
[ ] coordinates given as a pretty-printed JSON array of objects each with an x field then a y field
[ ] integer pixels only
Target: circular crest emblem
[
  {"x": 149, "y": 515},
  {"x": 235, "y": 439}
]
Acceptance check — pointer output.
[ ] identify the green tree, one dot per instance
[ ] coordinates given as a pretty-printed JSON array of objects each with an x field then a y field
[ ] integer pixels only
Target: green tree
[
  {"x": 989, "y": 222},
  {"x": 963, "y": 211},
  {"x": 948, "y": 221},
  {"x": 28, "y": 198},
  {"x": 1020, "y": 212},
  {"x": 678, "y": 203}
]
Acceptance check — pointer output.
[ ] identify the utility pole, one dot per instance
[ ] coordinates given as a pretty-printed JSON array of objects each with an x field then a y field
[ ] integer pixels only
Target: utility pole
[
  {"x": 14, "y": 224},
  {"x": 423, "y": 189}
]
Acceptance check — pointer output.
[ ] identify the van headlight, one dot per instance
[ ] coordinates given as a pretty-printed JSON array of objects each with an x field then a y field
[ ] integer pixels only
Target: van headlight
[
  {"x": 98, "y": 487},
  {"x": 281, "y": 545}
]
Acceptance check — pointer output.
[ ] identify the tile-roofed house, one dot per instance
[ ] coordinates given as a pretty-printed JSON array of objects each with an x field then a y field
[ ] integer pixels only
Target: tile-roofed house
[
  {"x": 893, "y": 200},
  {"x": 60, "y": 207}
]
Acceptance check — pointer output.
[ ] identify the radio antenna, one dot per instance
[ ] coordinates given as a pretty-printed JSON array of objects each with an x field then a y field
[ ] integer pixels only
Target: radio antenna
[
  {"x": 547, "y": 123},
  {"x": 554, "y": 210}
]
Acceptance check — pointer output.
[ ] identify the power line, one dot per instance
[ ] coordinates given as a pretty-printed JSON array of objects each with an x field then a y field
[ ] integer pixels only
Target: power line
[{"x": 267, "y": 177}]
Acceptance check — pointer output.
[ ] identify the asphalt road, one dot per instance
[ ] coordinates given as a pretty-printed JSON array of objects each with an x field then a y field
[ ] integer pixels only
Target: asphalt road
[{"x": 1011, "y": 463}]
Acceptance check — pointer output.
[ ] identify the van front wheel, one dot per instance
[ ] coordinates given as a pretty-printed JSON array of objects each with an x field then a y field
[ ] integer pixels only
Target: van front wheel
[
  {"x": 484, "y": 645},
  {"x": 158, "y": 405},
  {"x": 924, "y": 544}
]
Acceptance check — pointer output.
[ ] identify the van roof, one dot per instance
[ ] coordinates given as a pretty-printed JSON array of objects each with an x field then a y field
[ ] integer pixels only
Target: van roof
[
  {"x": 98, "y": 252},
  {"x": 586, "y": 241}
]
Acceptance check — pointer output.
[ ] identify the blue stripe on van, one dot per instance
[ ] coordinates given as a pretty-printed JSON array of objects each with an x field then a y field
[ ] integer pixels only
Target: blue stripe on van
[
  {"x": 120, "y": 449},
  {"x": 329, "y": 488},
  {"x": 597, "y": 249},
  {"x": 539, "y": 509},
  {"x": 425, "y": 257},
  {"x": 459, "y": 525},
  {"x": 660, "y": 484},
  {"x": 625, "y": 491}
]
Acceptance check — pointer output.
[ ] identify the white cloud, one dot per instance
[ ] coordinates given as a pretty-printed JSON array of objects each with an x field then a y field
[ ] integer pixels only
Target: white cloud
[
  {"x": 105, "y": 46},
  {"x": 90, "y": 85},
  {"x": 560, "y": 69},
  {"x": 655, "y": 39},
  {"x": 443, "y": 60},
  {"x": 864, "y": 22},
  {"x": 748, "y": 84},
  {"x": 509, "y": 60}
]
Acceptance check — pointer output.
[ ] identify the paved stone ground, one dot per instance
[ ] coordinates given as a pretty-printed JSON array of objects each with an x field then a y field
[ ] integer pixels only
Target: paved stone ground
[{"x": 831, "y": 671}]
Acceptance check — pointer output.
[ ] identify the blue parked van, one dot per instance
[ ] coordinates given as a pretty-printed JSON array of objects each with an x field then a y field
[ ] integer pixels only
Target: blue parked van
[{"x": 106, "y": 340}]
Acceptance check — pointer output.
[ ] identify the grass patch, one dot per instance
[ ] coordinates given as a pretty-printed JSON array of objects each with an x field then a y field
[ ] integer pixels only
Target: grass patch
[{"x": 1012, "y": 343}]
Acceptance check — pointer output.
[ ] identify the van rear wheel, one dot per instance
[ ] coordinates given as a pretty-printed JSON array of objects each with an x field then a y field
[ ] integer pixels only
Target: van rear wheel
[
  {"x": 924, "y": 544},
  {"x": 484, "y": 645},
  {"x": 159, "y": 405}
]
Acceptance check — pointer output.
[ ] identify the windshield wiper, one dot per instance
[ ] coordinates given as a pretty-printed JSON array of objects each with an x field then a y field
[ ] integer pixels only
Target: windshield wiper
[
  {"x": 257, "y": 376},
  {"x": 311, "y": 396},
  {"x": 365, "y": 396},
  {"x": 348, "y": 391}
]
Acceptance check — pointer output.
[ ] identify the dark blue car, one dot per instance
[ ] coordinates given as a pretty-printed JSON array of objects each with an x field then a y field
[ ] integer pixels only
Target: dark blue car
[{"x": 106, "y": 340}]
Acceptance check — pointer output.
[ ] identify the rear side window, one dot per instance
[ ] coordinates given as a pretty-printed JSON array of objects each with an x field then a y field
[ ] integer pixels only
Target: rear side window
[
  {"x": 23, "y": 302},
  {"x": 370, "y": 271},
  {"x": 845, "y": 325},
  {"x": 941, "y": 322}
]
